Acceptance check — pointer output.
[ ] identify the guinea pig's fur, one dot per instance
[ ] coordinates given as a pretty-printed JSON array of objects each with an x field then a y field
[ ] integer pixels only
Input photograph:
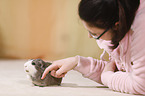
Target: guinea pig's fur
[{"x": 35, "y": 69}]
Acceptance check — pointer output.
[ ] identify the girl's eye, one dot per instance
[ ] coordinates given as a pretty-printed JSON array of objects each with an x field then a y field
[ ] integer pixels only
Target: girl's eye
[{"x": 92, "y": 33}]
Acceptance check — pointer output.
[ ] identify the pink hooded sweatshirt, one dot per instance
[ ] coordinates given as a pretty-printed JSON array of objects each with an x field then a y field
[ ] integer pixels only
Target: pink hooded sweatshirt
[{"x": 129, "y": 57}]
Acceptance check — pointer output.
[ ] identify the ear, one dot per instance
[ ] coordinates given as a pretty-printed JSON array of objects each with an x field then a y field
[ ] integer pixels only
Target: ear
[
  {"x": 47, "y": 64},
  {"x": 116, "y": 26},
  {"x": 42, "y": 65}
]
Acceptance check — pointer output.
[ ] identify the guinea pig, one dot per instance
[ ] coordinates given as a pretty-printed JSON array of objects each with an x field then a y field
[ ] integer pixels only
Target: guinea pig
[{"x": 35, "y": 68}]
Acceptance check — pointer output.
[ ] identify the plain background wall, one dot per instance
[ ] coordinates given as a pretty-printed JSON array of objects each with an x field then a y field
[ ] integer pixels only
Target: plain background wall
[{"x": 47, "y": 29}]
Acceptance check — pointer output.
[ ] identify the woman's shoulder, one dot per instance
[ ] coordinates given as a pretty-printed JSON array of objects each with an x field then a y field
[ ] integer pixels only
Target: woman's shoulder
[
  {"x": 139, "y": 21},
  {"x": 138, "y": 34},
  {"x": 142, "y": 4}
]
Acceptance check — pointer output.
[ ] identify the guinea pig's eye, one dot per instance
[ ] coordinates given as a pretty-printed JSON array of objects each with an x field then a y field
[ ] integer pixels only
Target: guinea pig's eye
[{"x": 33, "y": 63}]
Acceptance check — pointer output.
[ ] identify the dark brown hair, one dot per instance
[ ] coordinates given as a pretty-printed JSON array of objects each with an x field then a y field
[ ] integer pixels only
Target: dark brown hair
[{"x": 105, "y": 13}]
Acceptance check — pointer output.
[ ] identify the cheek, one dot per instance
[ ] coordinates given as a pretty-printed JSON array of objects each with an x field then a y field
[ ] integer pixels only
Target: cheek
[
  {"x": 107, "y": 36},
  {"x": 29, "y": 68}
]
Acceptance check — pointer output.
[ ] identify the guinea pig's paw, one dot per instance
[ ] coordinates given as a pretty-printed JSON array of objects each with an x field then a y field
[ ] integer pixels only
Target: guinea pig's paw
[{"x": 29, "y": 68}]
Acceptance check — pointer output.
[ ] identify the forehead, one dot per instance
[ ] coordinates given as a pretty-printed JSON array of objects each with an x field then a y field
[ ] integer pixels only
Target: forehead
[
  {"x": 91, "y": 28},
  {"x": 86, "y": 25}
]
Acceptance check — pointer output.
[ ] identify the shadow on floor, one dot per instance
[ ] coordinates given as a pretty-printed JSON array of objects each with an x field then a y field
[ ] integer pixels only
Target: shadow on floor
[
  {"x": 76, "y": 86},
  {"x": 70, "y": 85}
]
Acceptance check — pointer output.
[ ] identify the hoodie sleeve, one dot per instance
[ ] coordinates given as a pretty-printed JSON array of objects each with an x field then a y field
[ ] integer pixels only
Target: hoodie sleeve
[{"x": 90, "y": 68}]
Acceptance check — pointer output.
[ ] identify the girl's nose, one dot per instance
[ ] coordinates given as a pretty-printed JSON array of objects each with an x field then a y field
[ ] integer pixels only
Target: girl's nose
[{"x": 89, "y": 35}]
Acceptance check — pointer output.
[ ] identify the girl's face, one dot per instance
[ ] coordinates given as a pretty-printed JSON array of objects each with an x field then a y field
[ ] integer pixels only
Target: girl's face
[{"x": 97, "y": 32}]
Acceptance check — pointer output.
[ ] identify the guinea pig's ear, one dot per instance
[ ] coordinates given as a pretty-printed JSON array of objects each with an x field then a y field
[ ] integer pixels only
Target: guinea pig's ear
[
  {"x": 42, "y": 64},
  {"x": 39, "y": 65},
  {"x": 47, "y": 64}
]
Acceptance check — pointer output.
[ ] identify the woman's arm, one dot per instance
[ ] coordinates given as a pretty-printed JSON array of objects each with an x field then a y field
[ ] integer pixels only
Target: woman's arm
[{"x": 90, "y": 68}]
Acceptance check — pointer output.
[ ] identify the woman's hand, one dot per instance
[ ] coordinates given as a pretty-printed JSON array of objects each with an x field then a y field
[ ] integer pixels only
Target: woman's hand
[
  {"x": 110, "y": 67},
  {"x": 60, "y": 67}
]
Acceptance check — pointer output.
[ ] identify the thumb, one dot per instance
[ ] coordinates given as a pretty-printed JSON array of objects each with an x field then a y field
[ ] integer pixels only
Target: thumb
[{"x": 61, "y": 71}]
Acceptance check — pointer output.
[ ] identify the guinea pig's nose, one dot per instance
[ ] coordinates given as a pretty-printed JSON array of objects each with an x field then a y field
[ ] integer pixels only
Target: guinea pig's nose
[{"x": 27, "y": 71}]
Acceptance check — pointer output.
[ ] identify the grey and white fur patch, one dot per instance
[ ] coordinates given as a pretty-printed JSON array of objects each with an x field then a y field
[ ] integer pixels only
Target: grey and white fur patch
[{"x": 34, "y": 70}]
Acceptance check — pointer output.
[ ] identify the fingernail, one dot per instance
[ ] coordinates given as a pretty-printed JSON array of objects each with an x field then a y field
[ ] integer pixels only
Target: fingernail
[{"x": 42, "y": 77}]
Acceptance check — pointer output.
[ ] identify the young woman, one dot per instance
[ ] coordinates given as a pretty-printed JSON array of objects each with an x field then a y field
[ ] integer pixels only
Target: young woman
[{"x": 119, "y": 28}]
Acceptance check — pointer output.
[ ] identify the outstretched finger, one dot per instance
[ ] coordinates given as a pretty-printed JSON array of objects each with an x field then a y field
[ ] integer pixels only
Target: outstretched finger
[{"x": 48, "y": 69}]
